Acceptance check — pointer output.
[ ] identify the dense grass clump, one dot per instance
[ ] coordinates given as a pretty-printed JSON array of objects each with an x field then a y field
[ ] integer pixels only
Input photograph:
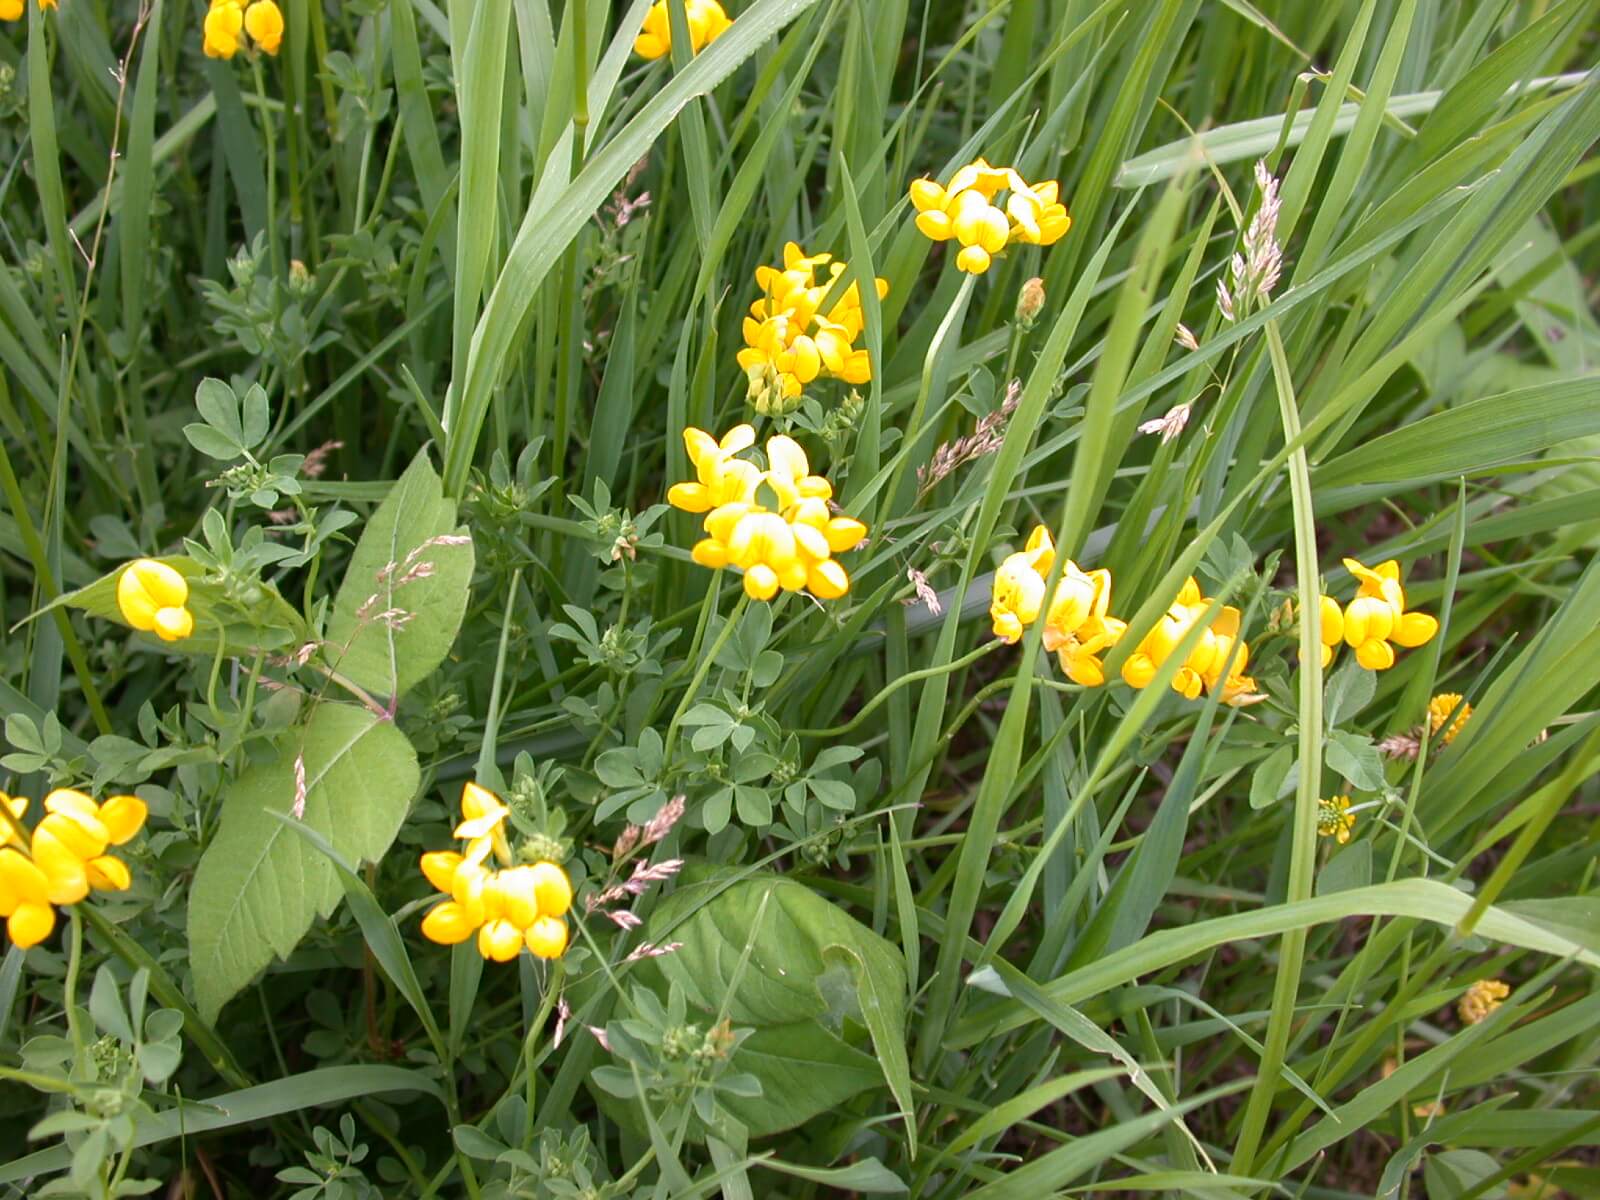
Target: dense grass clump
[{"x": 799, "y": 598}]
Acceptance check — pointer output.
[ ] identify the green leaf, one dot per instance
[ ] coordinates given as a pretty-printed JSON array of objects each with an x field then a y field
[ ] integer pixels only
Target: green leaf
[
  {"x": 1355, "y": 757},
  {"x": 1349, "y": 691},
  {"x": 1266, "y": 785},
  {"x": 812, "y": 967},
  {"x": 869, "y": 1176},
  {"x": 258, "y": 887},
  {"x": 399, "y": 538}
]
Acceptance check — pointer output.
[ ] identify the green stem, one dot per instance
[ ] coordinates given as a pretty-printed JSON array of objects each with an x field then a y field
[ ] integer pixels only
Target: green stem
[
  {"x": 701, "y": 671},
  {"x": 552, "y": 993},
  {"x": 69, "y": 989},
  {"x": 910, "y": 677},
  {"x": 1303, "y": 848}
]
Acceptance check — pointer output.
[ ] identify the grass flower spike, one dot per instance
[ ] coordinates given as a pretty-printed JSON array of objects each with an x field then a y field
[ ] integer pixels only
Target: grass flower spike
[
  {"x": 790, "y": 341},
  {"x": 153, "y": 598},
  {"x": 707, "y": 22},
  {"x": 504, "y": 907},
  {"x": 786, "y": 543},
  {"x": 1376, "y": 620},
  {"x": 64, "y": 859},
  {"x": 967, "y": 211}
]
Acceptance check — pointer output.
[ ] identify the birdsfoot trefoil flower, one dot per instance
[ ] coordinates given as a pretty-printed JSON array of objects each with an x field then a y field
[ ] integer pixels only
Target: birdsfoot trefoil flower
[
  {"x": 153, "y": 597},
  {"x": 967, "y": 210},
  {"x": 63, "y": 858},
  {"x": 707, "y": 22}
]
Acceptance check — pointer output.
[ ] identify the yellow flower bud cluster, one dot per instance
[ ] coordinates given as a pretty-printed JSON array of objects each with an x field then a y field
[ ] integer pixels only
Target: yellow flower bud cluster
[
  {"x": 776, "y": 525},
  {"x": 507, "y": 907},
  {"x": 1376, "y": 620},
  {"x": 1481, "y": 999},
  {"x": 1440, "y": 709},
  {"x": 1077, "y": 627},
  {"x": 62, "y": 859},
  {"x": 707, "y": 22},
  {"x": 228, "y": 20},
  {"x": 790, "y": 341},
  {"x": 153, "y": 597},
  {"x": 967, "y": 209},
  {"x": 1213, "y": 664}
]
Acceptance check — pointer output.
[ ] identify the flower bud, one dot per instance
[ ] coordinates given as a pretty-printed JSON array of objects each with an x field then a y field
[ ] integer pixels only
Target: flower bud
[{"x": 1030, "y": 302}]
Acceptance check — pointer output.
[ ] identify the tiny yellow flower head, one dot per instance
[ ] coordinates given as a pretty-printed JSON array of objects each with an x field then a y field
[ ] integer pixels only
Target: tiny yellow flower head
[
  {"x": 1481, "y": 999},
  {"x": 263, "y": 21},
  {"x": 707, "y": 22},
  {"x": 152, "y": 598},
  {"x": 1440, "y": 709},
  {"x": 24, "y": 899},
  {"x": 223, "y": 25},
  {"x": 1377, "y": 616},
  {"x": 1334, "y": 819}
]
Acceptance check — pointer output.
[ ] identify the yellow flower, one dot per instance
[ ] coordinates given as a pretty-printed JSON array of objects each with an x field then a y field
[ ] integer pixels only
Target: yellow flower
[
  {"x": 1077, "y": 627},
  {"x": 789, "y": 342},
  {"x": 720, "y": 477},
  {"x": 24, "y": 899},
  {"x": 965, "y": 210},
  {"x": 1378, "y": 616},
  {"x": 152, "y": 597},
  {"x": 1481, "y": 999},
  {"x": 1017, "y": 594},
  {"x": 707, "y": 22},
  {"x": 482, "y": 824},
  {"x": 223, "y": 25},
  {"x": 1332, "y": 628},
  {"x": 1334, "y": 818},
  {"x": 503, "y": 909},
  {"x": 264, "y": 22},
  {"x": 1140, "y": 667},
  {"x": 1439, "y": 710},
  {"x": 786, "y": 547}
]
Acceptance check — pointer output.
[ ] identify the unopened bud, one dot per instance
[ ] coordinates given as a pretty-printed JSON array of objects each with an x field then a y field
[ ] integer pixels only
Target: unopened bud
[
  {"x": 300, "y": 279},
  {"x": 1030, "y": 302}
]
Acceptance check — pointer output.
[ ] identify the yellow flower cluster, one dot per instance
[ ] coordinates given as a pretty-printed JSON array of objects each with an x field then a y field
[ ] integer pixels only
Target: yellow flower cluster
[
  {"x": 228, "y": 20},
  {"x": 1376, "y": 620},
  {"x": 707, "y": 22},
  {"x": 507, "y": 908},
  {"x": 12, "y": 10},
  {"x": 1077, "y": 627},
  {"x": 63, "y": 859},
  {"x": 1213, "y": 664},
  {"x": 153, "y": 598},
  {"x": 776, "y": 525},
  {"x": 1334, "y": 819},
  {"x": 1439, "y": 710},
  {"x": 966, "y": 209},
  {"x": 789, "y": 341},
  {"x": 1481, "y": 999}
]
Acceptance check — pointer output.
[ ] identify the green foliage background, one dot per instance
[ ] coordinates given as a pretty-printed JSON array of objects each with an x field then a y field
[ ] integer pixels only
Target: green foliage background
[{"x": 452, "y": 280}]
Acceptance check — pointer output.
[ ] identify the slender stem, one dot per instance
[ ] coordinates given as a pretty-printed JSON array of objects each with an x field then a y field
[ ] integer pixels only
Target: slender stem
[
  {"x": 69, "y": 989},
  {"x": 552, "y": 993},
  {"x": 701, "y": 671},
  {"x": 910, "y": 677},
  {"x": 1303, "y": 848}
]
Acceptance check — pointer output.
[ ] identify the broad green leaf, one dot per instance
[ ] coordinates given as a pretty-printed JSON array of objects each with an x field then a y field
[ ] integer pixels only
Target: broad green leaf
[
  {"x": 815, "y": 976},
  {"x": 258, "y": 887},
  {"x": 388, "y": 575}
]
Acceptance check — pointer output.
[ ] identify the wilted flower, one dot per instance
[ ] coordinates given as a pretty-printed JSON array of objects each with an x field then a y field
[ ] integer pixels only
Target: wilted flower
[
  {"x": 1481, "y": 999},
  {"x": 707, "y": 22}
]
